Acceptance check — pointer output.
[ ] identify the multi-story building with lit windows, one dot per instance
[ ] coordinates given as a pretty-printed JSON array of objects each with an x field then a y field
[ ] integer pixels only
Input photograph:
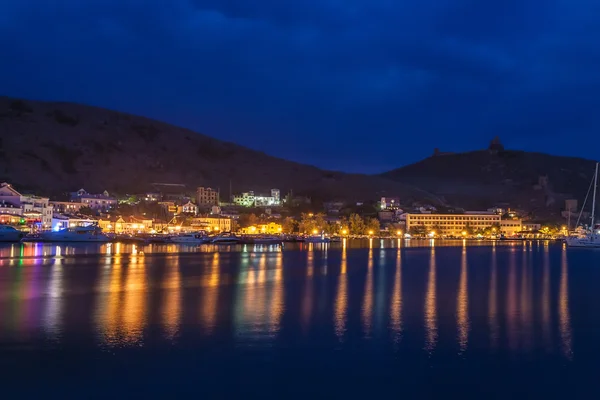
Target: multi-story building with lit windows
[
  {"x": 34, "y": 210},
  {"x": 206, "y": 196},
  {"x": 452, "y": 224}
]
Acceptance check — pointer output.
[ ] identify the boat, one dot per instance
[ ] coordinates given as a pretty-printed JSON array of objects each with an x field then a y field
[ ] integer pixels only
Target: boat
[
  {"x": 264, "y": 239},
  {"x": 190, "y": 238},
  {"x": 591, "y": 239},
  {"x": 317, "y": 239},
  {"x": 90, "y": 233},
  {"x": 226, "y": 238},
  {"x": 10, "y": 234}
]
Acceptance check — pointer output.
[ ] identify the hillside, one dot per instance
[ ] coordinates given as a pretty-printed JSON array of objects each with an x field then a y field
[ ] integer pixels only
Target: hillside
[
  {"x": 58, "y": 147},
  {"x": 531, "y": 181}
]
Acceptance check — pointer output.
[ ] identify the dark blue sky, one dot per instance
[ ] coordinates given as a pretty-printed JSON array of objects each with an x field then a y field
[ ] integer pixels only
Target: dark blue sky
[{"x": 352, "y": 85}]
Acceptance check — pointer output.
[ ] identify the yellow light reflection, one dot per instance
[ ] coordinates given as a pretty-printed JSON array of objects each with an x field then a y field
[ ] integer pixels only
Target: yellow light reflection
[
  {"x": 511, "y": 300},
  {"x": 210, "y": 294},
  {"x": 171, "y": 307},
  {"x": 463, "y": 304},
  {"x": 396, "y": 306},
  {"x": 367, "y": 308},
  {"x": 430, "y": 306},
  {"x": 563, "y": 307},
  {"x": 341, "y": 302},
  {"x": 493, "y": 302},
  {"x": 54, "y": 307},
  {"x": 546, "y": 305},
  {"x": 526, "y": 300},
  {"x": 109, "y": 310},
  {"x": 307, "y": 297},
  {"x": 276, "y": 296},
  {"x": 134, "y": 303}
]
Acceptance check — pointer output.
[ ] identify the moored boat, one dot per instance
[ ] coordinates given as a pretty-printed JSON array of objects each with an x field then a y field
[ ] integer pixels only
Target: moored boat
[
  {"x": 226, "y": 238},
  {"x": 90, "y": 233},
  {"x": 317, "y": 239},
  {"x": 190, "y": 238},
  {"x": 263, "y": 239},
  {"x": 10, "y": 234},
  {"x": 592, "y": 238}
]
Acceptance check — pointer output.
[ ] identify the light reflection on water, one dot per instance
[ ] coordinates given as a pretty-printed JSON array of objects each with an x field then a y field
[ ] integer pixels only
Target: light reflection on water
[{"x": 387, "y": 292}]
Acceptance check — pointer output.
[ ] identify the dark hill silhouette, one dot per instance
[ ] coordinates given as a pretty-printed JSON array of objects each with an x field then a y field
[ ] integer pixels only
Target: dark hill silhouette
[
  {"x": 57, "y": 147},
  {"x": 486, "y": 177}
]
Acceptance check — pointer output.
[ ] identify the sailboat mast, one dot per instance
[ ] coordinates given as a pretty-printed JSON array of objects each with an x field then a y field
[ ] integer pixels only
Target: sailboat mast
[{"x": 594, "y": 197}]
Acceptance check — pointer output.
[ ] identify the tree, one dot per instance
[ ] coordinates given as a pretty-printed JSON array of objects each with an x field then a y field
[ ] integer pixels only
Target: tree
[
  {"x": 372, "y": 224},
  {"x": 307, "y": 223},
  {"x": 247, "y": 220},
  {"x": 356, "y": 225},
  {"x": 320, "y": 223},
  {"x": 417, "y": 230},
  {"x": 469, "y": 229},
  {"x": 289, "y": 225}
]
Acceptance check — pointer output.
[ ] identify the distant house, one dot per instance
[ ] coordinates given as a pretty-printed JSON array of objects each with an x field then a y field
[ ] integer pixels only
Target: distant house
[
  {"x": 98, "y": 202},
  {"x": 189, "y": 208}
]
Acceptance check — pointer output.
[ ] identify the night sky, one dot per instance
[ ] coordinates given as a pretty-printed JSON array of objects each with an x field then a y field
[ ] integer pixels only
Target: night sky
[{"x": 353, "y": 85}]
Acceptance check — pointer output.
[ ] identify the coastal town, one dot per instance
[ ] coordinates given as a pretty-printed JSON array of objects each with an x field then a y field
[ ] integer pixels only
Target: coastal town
[{"x": 174, "y": 211}]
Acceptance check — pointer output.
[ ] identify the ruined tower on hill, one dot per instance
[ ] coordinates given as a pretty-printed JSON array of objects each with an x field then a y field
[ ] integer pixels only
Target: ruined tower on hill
[{"x": 495, "y": 146}]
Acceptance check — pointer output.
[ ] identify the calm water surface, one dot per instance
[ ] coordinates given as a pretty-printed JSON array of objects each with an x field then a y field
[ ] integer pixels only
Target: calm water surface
[{"x": 380, "y": 318}]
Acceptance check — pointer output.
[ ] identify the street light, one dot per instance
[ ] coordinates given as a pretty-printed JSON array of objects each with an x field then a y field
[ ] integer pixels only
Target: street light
[
  {"x": 315, "y": 231},
  {"x": 371, "y": 233},
  {"x": 344, "y": 232},
  {"x": 398, "y": 233}
]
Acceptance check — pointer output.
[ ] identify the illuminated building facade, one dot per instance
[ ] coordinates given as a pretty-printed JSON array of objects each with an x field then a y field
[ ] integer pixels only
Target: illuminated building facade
[
  {"x": 452, "y": 224},
  {"x": 213, "y": 224},
  {"x": 36, "y": 211},
  {"x": 206, "y": 196}
]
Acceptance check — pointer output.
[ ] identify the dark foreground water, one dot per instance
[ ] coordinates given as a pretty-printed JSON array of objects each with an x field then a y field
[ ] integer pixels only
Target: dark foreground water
[{"x": 518, "y": 320}]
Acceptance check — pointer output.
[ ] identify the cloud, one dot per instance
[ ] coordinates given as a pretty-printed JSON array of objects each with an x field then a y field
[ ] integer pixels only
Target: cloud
[{"x": 327, "y": 82}]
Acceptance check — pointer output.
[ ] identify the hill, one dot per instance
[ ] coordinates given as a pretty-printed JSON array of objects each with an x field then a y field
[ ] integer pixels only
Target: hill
[
  {"x": 484, "y": 178},
  {"x": 57, "y": 147}
]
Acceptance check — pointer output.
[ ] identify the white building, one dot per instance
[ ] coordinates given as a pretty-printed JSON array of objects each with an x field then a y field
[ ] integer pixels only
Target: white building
[
  {"x": 249, "y": 199},
  {"x": 35, "y": 210},
  {"x": 189, "y": 208},
  {"x": 245, "y": 199},
  {"x": 511, "y": 227}
]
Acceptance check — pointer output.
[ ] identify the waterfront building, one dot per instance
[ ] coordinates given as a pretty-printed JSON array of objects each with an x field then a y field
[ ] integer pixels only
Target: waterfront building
[
  {"x": 125, "y": 225},
  {"x": 511, "y": 227},
  {"x": 213, "y": 223},
  {"x": 531, "y": 226},
  {"x": 206, "y": 197},
  {"x": 10, "y": 214},
  {"x": 271, "y": 228},
  {"x": 452, "y": 224},
  {"x": 35, "y": 210}
]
